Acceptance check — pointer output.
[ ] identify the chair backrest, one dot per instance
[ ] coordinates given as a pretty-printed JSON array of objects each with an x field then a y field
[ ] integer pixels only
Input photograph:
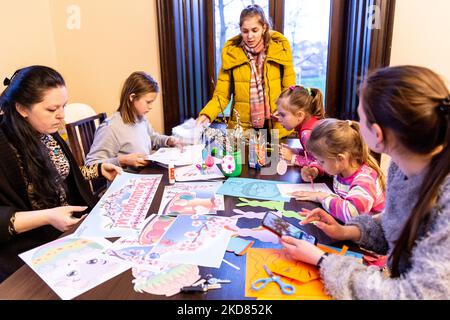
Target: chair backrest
[
  {"x": 77, "y": 111},
  {"x": 81, "y": 135}
]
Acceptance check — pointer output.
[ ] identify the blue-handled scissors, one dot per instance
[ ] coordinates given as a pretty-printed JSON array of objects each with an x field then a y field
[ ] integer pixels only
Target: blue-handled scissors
[{"x": 261, "y": 283}]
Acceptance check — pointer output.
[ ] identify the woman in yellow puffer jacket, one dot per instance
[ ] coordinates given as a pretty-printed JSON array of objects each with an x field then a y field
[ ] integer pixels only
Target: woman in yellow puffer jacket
[{"x": 256, "y": 67}]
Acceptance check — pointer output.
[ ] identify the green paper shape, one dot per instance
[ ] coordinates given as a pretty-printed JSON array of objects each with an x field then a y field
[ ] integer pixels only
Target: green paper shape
[{"x": 271, "y": 205}]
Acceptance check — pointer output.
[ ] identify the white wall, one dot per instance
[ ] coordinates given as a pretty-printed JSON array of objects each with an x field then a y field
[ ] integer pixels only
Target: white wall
[{"x": 421, "y": 35}]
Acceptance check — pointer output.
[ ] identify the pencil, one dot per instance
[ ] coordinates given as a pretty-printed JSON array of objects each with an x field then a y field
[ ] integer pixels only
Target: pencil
[{"x": 307, "y": 161}]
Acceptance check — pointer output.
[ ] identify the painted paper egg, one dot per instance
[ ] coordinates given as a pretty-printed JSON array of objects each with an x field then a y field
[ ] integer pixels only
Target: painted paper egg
[{"x": 228, "y": 164}]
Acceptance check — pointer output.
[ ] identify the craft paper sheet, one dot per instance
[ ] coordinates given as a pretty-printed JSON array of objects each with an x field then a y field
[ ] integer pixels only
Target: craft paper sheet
[
  {"x": 192, "y": 173},
  {"x": 252, "y": 188},
  {"x": 192, "y": 198},
  {"x": 71, "y": 266},
  {"x": 195, "y": 239},
  {"x": 123, "y": 208},
  {"x": 287, "y": 189},
  {"x": 178, "y": 157}
]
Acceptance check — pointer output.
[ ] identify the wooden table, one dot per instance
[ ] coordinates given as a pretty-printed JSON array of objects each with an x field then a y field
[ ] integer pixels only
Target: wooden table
[{"x": 26, "y": 284}]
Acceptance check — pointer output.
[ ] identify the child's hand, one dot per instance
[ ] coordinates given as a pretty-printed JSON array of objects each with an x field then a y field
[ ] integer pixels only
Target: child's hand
[
  {"x": 110, "y": 171},
  {"x": 301, "y": 250},
  {"x": 309, "y": 196},
  {"x": 133, "y": 160},
  {"x": 309, "y": 173},
  {"x": 286, "y": 153},
  {"x": 275, "y": 116}
]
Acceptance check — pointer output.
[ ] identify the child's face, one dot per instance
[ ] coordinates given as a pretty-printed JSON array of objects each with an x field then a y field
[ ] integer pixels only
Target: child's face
[
  {"x": 252, "y": 31},
  {"x": 144, "y": 104},
  {"x": 287, "y": 119},
  {"x": 332, "y": 166}
]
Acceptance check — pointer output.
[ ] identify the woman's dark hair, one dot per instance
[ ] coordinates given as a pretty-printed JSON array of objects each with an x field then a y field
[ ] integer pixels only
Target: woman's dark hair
[
  {"x": 138, "y": 83},
  {"x": 252, "y": 11},
  {"x": 412, "y": 102},
  {"x": 27, "y": 87}
]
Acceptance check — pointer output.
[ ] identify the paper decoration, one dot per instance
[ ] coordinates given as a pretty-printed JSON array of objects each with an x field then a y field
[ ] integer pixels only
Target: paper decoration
[
  {"x": 71, "y": 266},
  {"x": 278, "y": 259},
  {"x": 178, "y": 157},
  {"x": 272, "y": 205},
  {"x": 195, "y": 239},
  {"x": 248, "y": 214},
  {"x": 239, "y": 246},
  {"x": 137, "y": 251},
  {"x": 252, "y": 188},
  {"x": 192, "y": 173},
  {"x": 192, "y": 198},
  {"x": 286, "y": 190},
  {"x": 122, "y": 209},
  {"x": 166, "y": 283}
]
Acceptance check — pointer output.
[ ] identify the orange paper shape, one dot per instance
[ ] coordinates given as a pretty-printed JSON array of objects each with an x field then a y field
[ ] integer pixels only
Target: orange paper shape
[{"x": 278, "y": 262}]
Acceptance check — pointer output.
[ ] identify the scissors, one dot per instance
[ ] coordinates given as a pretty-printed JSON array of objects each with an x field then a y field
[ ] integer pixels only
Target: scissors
[{"x": 261, "y": 283}]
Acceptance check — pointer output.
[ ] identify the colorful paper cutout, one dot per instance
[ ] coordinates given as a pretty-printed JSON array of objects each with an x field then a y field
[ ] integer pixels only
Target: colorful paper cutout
[
  {"x": 192, "y": 198},
  {"x": 252, "y": 188},
  {"x": 166, "y": 283},
  {"x": 178, "y": 157},
  {"x": 195, "y": 239},
  {"x": 239, "y": 246},
  {"x": 280, "y": 260},
  {"x": 122, "y": 209}
]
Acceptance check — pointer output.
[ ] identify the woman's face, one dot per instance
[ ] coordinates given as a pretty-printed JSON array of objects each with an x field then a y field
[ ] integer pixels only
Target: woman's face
[
  {"x": 144, "y": 104},
  {"x": 252, "y": 31},
  {"x": 47, "y": 116},
  {"x": 367, "y": 132}
]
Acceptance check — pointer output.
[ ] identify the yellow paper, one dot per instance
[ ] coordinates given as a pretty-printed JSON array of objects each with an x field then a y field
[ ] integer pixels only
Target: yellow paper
[{"x": 278, "y": 259}]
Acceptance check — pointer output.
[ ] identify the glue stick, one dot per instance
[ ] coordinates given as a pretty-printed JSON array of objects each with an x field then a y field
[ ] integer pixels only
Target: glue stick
[{"x": 171, "y": 173}]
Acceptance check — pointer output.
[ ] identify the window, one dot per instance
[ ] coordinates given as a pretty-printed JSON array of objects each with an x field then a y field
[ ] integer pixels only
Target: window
[{"x": 306, "y": 26}]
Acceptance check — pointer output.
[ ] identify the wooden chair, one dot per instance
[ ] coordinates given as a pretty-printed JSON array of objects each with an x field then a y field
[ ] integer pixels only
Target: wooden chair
[{"x": 81, "y": 136}]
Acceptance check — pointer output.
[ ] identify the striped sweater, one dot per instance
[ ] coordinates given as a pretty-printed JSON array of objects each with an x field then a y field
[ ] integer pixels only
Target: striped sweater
[{"x": 357, "y": 194}]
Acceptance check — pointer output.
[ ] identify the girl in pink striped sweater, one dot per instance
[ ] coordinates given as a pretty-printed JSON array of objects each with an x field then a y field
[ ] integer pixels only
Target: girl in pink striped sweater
[{"x": 358, "y": 182}]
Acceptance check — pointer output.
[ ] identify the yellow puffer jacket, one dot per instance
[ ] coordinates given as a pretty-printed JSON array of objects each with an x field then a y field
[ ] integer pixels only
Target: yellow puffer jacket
[{"x": 234, "y": 77}]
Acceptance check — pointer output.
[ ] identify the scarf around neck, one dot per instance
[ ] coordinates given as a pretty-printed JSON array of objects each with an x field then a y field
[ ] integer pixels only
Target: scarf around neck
[{"x": 259, "y": 103}]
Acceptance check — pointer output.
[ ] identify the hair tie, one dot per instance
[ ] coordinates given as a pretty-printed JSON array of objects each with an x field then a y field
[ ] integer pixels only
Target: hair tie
[
  {"x": 309, "y": 91},
  {"x": 350, "y": 123},
  {"x": 6, "y": 82},
  {"x": 292, "y": 88},
  {"x": 444, "y": 107}
]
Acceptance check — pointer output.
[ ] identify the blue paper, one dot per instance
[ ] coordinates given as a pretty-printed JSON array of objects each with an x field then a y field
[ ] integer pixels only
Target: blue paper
[
  {"x": 253, "y": 189},
  {"x": 238, "y": 245}
]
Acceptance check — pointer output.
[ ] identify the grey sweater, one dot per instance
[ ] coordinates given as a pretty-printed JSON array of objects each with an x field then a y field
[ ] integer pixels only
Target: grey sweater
[
  {"x": 425, "y": 276},
  {"x": 113, "y": 138}
]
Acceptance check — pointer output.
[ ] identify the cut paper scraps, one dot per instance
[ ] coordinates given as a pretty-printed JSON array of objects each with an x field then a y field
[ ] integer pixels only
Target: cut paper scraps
[
  {"x": 168, "y": 282},
  {"x": 195, "y": 239},
  {"x": 137, "y": 251},
  {"x": 178, "y": 157},
  {"x": 307, "y": 285},
  {"x": 253, "y": 189},
  {"x": 192, "y": 198},
  {"x": 343, "y": 252},
  {"x": 272, "y": 205},
  {"x": 239, "y": 246},
  {"x": 286, "y": 190},
  {"x": 122, "y": 209},
  {"x": 259, "y": 233},
  {"x": 71, "y": 266},
  {"x": 193, "y": 173},
  {"x": 248, "y": 214}
]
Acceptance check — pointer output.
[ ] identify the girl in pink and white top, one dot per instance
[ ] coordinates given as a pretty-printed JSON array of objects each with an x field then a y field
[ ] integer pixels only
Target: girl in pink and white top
[
  {"x": 358, "y": 182},
  {"x": 300, "y": 108}
]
